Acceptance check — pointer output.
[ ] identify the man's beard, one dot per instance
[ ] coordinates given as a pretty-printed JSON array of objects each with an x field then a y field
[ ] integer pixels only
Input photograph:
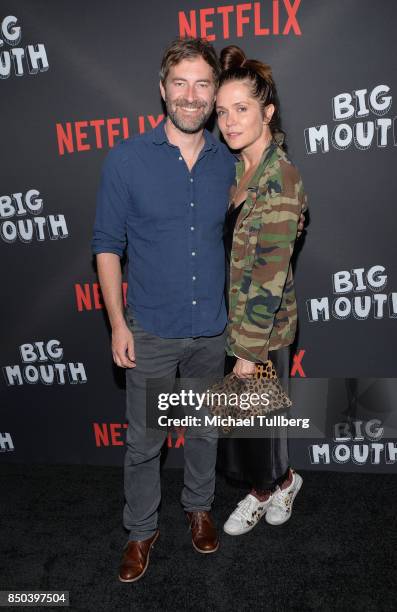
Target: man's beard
[{"x": 189, "y": 125}]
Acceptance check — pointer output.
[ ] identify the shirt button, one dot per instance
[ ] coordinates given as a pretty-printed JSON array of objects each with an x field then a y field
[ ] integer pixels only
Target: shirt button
[
  {"x": 191, "y": 180},
  {"x": 194, "y": 302},
  {"x": 192, "y": 228},
  {"x": 193, "y": 253},
  {"x": 193, "y": 278},
  {"x": 180, "y": 158},
  {"x": 192, "y": 204}
]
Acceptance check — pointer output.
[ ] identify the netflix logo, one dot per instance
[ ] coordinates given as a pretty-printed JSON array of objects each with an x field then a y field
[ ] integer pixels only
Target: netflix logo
[
  {"x": 266, "y": 18},
  {"x": 113, "y": 434},
  {"x": 297, "y": 366},
  {"x": 89, "y": 296},
  {"x": 78, "y": 136}
]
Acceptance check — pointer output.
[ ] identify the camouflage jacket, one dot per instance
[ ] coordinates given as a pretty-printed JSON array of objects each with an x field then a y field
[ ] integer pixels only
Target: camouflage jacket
[{"x": 262, "y": 304}]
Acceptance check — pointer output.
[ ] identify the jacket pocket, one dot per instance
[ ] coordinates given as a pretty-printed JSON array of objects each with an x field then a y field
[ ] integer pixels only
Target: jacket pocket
[{"x": 247, "y": 236}]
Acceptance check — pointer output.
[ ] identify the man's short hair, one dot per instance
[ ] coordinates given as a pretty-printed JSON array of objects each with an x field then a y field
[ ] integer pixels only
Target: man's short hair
[{"x": 189, "y": 48}]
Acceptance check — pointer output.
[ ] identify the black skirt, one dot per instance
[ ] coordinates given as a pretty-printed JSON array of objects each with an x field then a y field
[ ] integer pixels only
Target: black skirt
[{"x": 261, "y": 462}]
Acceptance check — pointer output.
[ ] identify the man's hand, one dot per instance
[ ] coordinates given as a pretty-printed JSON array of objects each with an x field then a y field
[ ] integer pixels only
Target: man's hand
[
  {"x": 123, "y": 347},
  {"x": 244, "y": 368},
  {"x": 301, "y": 224},
  {"x": 109, "y": 272}
]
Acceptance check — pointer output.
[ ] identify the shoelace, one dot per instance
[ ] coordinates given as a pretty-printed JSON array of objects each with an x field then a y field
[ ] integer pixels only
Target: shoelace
[
  {"x": 282, "y": 499},
  {"x": 245, "y": 507}
]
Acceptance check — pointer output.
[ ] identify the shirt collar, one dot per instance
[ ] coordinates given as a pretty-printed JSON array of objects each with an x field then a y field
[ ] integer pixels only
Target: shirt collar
[
  {"x": 266, "y": 156},
  {"x": 158, "y": 133},
  {"x": 210, "y": 141},
  {"x": 160, "y": 137}
]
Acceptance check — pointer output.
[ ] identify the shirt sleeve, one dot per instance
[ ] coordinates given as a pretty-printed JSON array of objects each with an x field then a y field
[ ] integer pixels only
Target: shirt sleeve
[{"x": 110, "y": 228}]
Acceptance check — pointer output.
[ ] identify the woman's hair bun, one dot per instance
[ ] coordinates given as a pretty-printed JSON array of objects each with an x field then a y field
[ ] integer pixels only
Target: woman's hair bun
[
  {"x": 232, "y": 57},
  {"x": 264, "y": 70}
]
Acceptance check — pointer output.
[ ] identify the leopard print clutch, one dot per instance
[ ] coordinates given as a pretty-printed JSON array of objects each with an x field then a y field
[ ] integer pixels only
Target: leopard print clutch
[{"x": 225, "y": 395}]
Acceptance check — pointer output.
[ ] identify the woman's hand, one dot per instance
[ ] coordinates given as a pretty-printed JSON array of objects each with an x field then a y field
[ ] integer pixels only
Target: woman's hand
[{"x": 244, "y": 368}]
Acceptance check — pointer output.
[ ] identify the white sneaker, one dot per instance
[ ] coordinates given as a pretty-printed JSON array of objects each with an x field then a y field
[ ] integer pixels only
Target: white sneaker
[
  {"x": 281, "y": 505},
  {"x": 248, "y": 513}
]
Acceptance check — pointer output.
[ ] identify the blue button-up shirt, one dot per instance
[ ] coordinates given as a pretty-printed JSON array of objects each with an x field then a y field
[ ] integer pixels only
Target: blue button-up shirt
[{"x": 171, "y": 222}]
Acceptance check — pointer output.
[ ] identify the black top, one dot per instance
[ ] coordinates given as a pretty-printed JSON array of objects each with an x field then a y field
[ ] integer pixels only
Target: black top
[{"x": 230, "y": 222}]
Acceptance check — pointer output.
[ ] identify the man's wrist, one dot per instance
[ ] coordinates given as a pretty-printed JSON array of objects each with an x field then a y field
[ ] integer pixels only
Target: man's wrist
[{"x": 118, "y": 324}]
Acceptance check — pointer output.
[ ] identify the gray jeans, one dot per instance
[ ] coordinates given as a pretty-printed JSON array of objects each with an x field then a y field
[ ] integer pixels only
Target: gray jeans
[{"x": 160, "y": 358}]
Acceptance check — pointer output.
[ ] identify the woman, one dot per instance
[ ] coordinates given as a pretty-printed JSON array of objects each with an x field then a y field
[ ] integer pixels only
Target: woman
[{"x": 260, "y": 233}]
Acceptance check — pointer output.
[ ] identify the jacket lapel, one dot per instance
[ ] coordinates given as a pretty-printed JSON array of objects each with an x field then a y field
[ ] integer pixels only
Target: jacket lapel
[{"x": 253, "y": 187}]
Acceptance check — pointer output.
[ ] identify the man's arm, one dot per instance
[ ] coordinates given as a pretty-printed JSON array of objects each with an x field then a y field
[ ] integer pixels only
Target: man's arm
[
  {"x": 109, "y": 242},
  {"x": 110, "y": 279}
]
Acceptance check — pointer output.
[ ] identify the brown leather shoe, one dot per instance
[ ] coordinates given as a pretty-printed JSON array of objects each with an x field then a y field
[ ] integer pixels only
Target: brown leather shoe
[
  {"x": 204, "y": 537},
  {"x": 135, "y": 559}
]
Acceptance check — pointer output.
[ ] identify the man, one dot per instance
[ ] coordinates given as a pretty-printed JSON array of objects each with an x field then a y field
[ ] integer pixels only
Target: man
[{"x": 164, "y": 195}]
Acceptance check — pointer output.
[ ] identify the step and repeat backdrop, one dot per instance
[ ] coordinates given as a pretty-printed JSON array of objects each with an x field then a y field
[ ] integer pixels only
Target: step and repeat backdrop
[{"x": 78, "y": 77}]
